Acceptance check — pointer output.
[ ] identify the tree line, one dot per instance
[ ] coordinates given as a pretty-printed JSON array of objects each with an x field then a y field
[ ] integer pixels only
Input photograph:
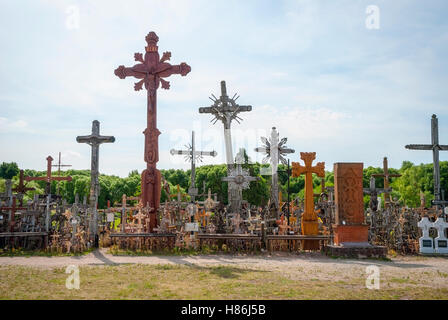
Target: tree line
[{"x": 406, "y": 189}]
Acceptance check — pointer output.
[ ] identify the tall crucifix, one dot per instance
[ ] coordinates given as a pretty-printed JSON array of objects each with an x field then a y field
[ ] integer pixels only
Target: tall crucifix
[
  {"x": 151, "y": 70},
  {"x": 59, "y": 165},
  {"x": 274, "y": 151},
  {"x": 435, "y": 147},
  {"x": 94, "y": 140},
  {"x": 309, "y": 217},
  {"x": 386, "y": 176},
  {"x": 226, "y": 109},
  {"x": 192, "y": 155}
]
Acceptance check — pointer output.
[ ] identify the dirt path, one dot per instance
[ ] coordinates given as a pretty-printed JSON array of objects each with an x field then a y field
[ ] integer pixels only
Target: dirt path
[{"x": 295, "y": 265}]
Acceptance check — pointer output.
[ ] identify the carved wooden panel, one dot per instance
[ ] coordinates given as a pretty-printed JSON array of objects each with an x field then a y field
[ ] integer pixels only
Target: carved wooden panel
[{"x": 348, "y": 193}]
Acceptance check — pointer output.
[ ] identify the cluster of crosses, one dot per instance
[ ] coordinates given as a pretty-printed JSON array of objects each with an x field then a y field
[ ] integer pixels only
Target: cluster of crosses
[{"x": 151, "y": 72}]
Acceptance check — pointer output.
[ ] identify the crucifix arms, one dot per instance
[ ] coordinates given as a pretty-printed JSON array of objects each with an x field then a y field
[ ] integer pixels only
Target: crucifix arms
[
  {"x": 225, "y": 109},
  {"x": 152, "y": 68},
  {"x": 95, "y": 138},
  {"x": 426, "y": 147},
  {"x": 196, "y": 153},
  {"x": 308, "y": 157}
]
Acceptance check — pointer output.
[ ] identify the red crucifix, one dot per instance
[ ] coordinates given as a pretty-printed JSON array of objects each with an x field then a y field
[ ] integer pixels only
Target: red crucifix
[
  {"x": 48, "y": 178},
  {"x": 151, "y": 70}
]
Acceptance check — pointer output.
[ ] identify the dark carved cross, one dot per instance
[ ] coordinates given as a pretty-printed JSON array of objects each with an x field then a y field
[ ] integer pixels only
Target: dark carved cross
[
  {"x": 49, "y": 177},
  {"x": 373, "y": 192},
  {"x": 94, "y": 140},
  {"x": 386, "y": 175},
  {"x": 435, "y": 147},
  {"x": 22, "y": 188},
  {"x": 59, "y": 165},
  {"x": 151, "y": 70}
]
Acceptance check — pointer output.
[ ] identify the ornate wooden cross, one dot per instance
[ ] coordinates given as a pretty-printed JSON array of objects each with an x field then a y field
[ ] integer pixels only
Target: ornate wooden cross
[
  {"x": 309, "y": 217},
  {"x": 386, "y": 176},
  {"x": 59, "y": 165},
  {"x": 373, "y": 192},
  {"x": 151, "y": 70},
  {"x": 435, "y": 147},
  {"x": 192, "y": 155},
  {"x": 49, "y": 177}
]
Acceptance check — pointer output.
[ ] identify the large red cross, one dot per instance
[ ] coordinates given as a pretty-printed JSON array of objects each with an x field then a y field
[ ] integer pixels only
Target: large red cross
[
  {"x": 151, "y": 70},
  {"x": 49, "y": 177}
]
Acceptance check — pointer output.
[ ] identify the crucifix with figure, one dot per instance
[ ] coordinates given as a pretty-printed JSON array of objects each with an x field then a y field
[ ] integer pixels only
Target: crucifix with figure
[
  {"x": 435, "y": 147},
  {"x": 150, "y": 71},
  {"x": 95, "y": 140},
  {"x": 192, "y": 155},
  {"x": 309, "y": 217}
]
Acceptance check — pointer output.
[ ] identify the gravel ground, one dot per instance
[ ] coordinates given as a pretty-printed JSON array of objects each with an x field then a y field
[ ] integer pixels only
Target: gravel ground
[{"x": 301, "y": 266}]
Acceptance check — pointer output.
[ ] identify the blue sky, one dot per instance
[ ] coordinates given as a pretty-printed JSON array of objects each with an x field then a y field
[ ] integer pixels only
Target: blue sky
[{"x": 310, "y": 68}]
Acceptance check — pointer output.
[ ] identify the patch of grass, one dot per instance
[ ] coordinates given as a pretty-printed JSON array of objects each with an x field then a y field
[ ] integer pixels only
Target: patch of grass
[
  {"x": 40, "y": 253},
  {"x": 176, "y": 251},
  {"x": 140, "y": 281}
]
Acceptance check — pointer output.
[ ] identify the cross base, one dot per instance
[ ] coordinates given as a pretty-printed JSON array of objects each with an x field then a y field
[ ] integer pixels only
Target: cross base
[
  {"x": 310, "y": 228},
  {"x": 350, "y": 233}
]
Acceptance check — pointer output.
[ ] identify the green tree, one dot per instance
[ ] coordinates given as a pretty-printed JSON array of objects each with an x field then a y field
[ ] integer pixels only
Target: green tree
[{"x": 9, "y": 170}]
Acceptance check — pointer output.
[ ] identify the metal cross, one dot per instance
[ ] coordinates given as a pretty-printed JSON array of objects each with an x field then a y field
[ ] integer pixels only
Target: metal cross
[
  {"x": 226, "y": 109},
  {"x": 435, "y": 147},
  {"x": 192, "y": 155},
  {"x": 275, "y": 151},
  {"x": 238, "y": 180}
]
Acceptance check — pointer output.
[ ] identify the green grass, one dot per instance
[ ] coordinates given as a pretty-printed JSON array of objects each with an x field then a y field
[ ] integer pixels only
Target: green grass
[
  {"x": 40, "y": 253},
  {"x": 170, "y": 281},
  {"x": 114, "y": 250}
]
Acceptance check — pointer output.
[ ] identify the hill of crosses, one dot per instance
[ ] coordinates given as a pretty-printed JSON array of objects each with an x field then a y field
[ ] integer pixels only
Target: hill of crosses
[{"x": 293, "y": 202}]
